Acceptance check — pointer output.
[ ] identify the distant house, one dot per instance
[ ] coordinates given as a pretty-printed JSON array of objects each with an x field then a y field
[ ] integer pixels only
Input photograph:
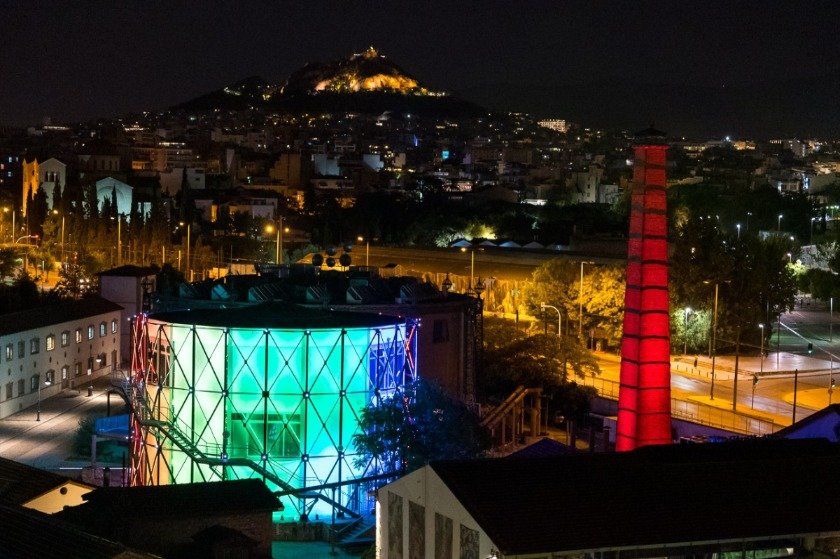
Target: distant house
[
  {"x": 165, "y": 519},
  {"x": 38, "y": 489},
  {"x": 48, "y": 349}
]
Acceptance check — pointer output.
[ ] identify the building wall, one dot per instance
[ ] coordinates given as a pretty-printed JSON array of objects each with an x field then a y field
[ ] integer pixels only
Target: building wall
[
  {"x": 79, "y": 358},
  {"x": 399, "y": 535},
  {"x": 126, "y": 291}
]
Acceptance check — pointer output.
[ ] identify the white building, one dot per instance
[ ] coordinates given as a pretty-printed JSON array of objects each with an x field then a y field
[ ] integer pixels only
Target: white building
[
  {"x": 49, "y": 349},
  {"x": 105, "y": 188}
]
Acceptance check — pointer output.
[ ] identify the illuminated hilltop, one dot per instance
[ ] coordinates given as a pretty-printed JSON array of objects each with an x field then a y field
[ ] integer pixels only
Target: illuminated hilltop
[{"x": 365, "y": 72}]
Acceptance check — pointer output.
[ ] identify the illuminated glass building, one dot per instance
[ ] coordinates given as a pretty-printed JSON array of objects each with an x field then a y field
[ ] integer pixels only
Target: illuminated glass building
[{"x": 272, "y": 391}]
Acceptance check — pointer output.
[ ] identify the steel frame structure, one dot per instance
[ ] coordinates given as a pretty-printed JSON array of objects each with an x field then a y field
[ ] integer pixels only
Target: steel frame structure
[{"x": 215, "y": 403}]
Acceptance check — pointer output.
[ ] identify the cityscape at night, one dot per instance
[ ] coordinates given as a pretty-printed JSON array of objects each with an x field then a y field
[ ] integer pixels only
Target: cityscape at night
[{"x": 419, "y": 280}]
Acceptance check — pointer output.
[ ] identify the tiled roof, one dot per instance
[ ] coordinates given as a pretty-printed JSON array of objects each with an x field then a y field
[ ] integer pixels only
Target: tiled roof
[
  {"x": 220, "y": 497},
  {"x": 19, "y": 483},
  {"x": 129, "y": 271},
  {"x": 652, "y": 496},
  {"x": 30, "y": 319}
]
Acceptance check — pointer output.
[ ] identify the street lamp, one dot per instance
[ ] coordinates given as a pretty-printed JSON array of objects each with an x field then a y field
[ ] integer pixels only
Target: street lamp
[
  {"x": 543, "y": 306},
  {"x": 56, "y": 212},
  {"x": 278, "y": 249},
  {"x": 686, "y": 312},
  {"x": 580, "y": 300},
  {"x": 779, "y": 224},
  {"x": 790, "y": 258},
  {"x": 472, "y": 265},
  {"x": 738, "y": 227},
  {"x": 713, "y": 340},
  {"x": 46, "y": 383},
  {"x": 811, "y": 238},
  {"x": 367, "y": 249},
  {"x": 189, "y": 269}
]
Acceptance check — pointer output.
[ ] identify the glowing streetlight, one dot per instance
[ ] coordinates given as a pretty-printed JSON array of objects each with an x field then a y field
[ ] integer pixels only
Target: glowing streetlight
[
  {"x": 779, "y": 224},
  {"x": 189, "y": 226},
  {"x": 738, "y": 227},
  {"x": 580, "y": 300},
  {"x": 543, "y": 306},
  {"x": 367, "y": 249}
]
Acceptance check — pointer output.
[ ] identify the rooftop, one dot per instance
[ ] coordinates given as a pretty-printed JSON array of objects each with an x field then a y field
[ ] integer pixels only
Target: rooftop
[
  {"x": 38, "y": 317},
  {"x": 276, "y": 316},
  {"x": 655, "y": 495}
]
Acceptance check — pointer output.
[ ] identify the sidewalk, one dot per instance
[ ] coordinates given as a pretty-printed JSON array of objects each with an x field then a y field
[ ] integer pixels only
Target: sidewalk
[{"x": 48, "y": 443}]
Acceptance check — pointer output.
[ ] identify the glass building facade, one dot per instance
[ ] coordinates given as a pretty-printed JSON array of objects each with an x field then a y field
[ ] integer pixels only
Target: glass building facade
[{"x": 280, "y": 402}]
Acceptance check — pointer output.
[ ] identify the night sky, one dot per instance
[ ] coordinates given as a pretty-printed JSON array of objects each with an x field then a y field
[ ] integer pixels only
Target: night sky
[{"x": 754, "y": 67}]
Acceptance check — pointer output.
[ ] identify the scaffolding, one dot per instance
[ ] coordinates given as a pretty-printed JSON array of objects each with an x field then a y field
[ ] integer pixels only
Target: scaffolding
[{"x": 281, "y": 404}]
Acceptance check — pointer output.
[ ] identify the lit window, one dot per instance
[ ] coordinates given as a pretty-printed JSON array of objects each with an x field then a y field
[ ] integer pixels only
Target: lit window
[
  {"x": 33, "y": 383},
  {"x": 78, "y": 335},
  {"x": 65, "y": 338},
  {"x": 91, "y": 332},
  {"x": 103, "y": 329},
  {"x": 10, "y": 352},
  {"x": 114, "y": 326},
  {"x": 51, "y": 342},
  {"x": 49, "y": 377},
  {"x": 34, "y": 345}
]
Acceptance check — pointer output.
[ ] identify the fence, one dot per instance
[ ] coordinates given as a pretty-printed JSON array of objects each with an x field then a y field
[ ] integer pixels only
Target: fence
[{"x": 695, "y": 412}]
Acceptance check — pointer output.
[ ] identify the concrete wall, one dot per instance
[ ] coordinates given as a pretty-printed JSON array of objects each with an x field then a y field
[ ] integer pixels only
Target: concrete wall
[
  {"x": 75, "y": 356},
  {"x": 423, "y": 487}
]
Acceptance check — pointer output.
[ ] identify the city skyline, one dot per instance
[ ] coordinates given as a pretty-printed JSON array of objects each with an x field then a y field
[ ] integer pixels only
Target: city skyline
[{"x": 750, "y": 69}]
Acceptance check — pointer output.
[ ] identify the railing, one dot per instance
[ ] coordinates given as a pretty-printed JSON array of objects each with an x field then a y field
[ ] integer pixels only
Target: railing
[{"x": 695, "y": 412}]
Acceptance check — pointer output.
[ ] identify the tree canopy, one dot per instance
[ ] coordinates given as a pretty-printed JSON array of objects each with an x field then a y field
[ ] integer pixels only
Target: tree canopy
[{"x": 416, "y": 425}]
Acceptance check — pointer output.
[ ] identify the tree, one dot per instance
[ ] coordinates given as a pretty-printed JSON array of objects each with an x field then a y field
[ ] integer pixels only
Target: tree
[
  {"x": 9, "y": 260},
  {"x": 514, "y": 357},
  {"x": 416, "y": 425},
  {"x": 557, "y": 283},
  {"x": 753, "y": 279}
]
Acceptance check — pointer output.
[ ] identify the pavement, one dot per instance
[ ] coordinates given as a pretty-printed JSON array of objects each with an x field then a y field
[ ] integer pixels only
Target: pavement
[{"x": 48, "y": 443}]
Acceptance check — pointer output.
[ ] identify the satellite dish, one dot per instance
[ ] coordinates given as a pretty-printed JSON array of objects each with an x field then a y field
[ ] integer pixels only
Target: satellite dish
[{"x": 317, "y": 260}]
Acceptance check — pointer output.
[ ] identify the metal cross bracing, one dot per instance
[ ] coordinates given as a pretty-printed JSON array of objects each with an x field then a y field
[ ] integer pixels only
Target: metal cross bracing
[{"x": 218, "y": 403}]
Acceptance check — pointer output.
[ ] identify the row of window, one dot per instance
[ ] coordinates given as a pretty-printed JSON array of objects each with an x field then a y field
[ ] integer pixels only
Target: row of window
[{"x": 35, "y": 343}]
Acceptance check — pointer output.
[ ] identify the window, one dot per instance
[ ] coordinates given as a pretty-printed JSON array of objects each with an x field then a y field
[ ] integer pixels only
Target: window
[
  {"x": 440, "y": 331},
  {"x": 91, "y": 332},
  {"x": 114, "y": 326},
  {"x": 21, "y": 387},
  {"x": 64, "y": 370},
  {"x": 49, "y": 377},
  {"x": 10, "y": 351},
  {"x": 21, "y": 349},
  {"x": 34, "y": 345},
  {"x": 65, "y": 338},
  {"x": 281, "y": 431},
  {"x": 78, "y": 335},
  {"x": 51, "y": 342},
  {"x": 33, "y": 383},
  {"x": 9, "y": 388},
  {"x": 103, "y": 329},
  {"x": 78, "y": 369}
]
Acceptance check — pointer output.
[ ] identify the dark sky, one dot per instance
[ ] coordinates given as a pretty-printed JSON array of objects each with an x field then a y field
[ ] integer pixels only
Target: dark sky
[{"x": 79, "y": 59}]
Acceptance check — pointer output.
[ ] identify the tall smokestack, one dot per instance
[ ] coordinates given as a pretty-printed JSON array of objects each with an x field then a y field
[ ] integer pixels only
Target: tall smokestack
[{"x": 644, "y": 401}]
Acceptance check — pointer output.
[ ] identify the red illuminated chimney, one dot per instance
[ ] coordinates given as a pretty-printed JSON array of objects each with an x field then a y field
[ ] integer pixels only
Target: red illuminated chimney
[{"x": 644, "y": 399}]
